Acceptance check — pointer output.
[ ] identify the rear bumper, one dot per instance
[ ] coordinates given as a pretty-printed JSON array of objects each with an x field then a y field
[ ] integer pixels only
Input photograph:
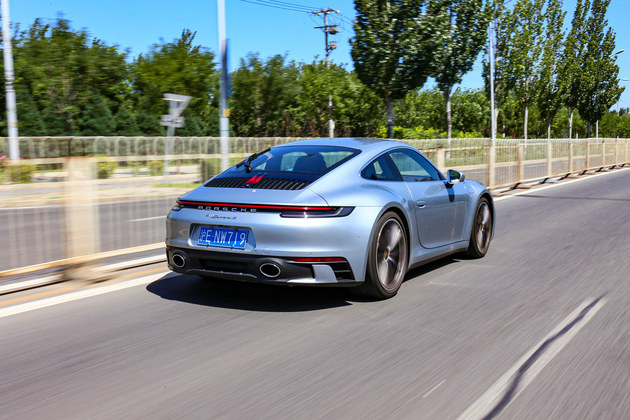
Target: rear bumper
[{"x": 259, "y": 268}]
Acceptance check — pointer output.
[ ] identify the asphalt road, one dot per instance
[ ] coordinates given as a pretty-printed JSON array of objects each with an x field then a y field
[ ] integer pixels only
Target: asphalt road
[{"x": 538, "y": 329}]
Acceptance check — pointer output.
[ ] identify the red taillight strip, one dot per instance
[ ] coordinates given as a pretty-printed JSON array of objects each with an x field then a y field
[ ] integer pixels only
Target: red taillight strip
[{"x": 255, "y": 206}]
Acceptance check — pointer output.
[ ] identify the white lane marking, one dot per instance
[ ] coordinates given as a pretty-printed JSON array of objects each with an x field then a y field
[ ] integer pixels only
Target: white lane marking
[
  {"x": 434, "y": 388},
  {"x": 46, "y": 206},
  {"x": 28, "y": 283},
  {"x": 83, "y": 294},
  {"x": 133, "y": 263},
  {"x": 550, "y": 186},
  {"x": 147, "y": 218},
  {"x": 548, "y": 347}
]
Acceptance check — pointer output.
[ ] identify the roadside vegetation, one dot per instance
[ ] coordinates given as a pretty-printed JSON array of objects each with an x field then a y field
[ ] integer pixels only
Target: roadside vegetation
[{"x": 548, "y": 82}]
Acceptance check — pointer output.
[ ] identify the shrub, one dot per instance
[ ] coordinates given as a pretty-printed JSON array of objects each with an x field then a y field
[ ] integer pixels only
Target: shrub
[
  {"x": 135, "y": 168},
  {"x": 209, "y": 168},
  {"x": 156, "y": 167},
  {"x": 21, "y": 174},
  {"x": 420, "y": 132},
  {"x": 105, "y": 169}
]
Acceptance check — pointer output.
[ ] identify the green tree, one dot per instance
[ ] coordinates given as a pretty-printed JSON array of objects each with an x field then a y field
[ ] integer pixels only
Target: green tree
[
  {"x": 573, "y": 55},
  {"x": 421, "y": 108},
  {"x": 62, "y": 69},
  {"x": 193, "y": 126},
  {"x": 395, "y": 46},
  {"x": 30, "y": 117},
  {"x": 552, "y": 82},
  {"x": 96, "y": 118},
  {"x": 125, "y": 122},
  {"x": 503, "y": 81},
  {"x": 599, "y": 71},
  {"x": 178, "y": 67},
  {"x": 356, "y": 109},
  {"x": 469, "y": 22},
  {"x": 264, "y": 96},
  {"x": 148, "y": 123},
  {"x": 471, "y": 107},
  {"x": 525, "y": 49},
  {"x": 359, "y": 111}
]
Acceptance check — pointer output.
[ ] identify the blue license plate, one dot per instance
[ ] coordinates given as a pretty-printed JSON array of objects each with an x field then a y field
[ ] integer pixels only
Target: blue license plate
[{"x": 227, "y": 238}]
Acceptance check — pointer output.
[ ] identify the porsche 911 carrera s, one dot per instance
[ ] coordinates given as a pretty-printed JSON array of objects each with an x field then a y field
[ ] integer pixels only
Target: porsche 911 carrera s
[{"x": 329, "y": 212}]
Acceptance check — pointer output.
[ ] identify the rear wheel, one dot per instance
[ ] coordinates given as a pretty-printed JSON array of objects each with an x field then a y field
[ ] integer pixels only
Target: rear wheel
[
  {"x": 387, "y": 258},
  {"x": 481, "y": 233}
]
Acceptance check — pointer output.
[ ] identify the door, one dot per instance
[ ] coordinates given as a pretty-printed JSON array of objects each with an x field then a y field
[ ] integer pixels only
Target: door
[{"x": 439, "y": 209}]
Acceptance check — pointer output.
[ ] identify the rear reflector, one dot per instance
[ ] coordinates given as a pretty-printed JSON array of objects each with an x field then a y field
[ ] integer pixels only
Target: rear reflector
[{"x": 318, "y": 259}]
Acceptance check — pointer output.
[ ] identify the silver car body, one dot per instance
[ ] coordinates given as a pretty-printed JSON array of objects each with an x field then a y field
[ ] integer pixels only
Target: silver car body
[{"x": 438, "y": 218}]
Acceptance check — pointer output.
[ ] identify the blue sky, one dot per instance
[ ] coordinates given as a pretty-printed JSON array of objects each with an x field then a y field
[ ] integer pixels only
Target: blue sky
[{"x": 137, "y": 24}]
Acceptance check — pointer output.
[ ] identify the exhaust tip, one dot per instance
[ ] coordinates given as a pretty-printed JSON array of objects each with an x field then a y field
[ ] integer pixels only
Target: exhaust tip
[
  {"x": 270, "y": 270},
  {"x": 178, "y": 260}
]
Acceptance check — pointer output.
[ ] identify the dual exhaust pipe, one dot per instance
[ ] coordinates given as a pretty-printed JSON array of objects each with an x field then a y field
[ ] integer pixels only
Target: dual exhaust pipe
[{"x": 271, "y": 270}]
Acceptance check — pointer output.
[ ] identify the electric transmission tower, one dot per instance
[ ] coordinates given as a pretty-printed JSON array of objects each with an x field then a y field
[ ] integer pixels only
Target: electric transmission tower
[{"x": 329, "y": 46}]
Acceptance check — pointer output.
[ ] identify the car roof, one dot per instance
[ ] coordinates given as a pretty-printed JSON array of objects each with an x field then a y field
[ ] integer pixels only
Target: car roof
[{"x": 365, "y": 144}]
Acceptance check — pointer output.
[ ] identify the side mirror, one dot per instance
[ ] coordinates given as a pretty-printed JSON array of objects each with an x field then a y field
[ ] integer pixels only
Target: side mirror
[{"x": 453, "y": 176}]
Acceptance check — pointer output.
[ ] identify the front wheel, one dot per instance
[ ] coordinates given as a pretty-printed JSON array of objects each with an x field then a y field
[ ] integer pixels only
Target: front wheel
[
  {"x": 387, "y": 258},
  {"x": 481, "y": 232}
]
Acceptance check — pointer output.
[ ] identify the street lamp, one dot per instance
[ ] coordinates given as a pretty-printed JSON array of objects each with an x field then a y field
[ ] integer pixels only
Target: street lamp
[
  {"x": 14, "y": 148},
  {"x": 623, "y": 80}
]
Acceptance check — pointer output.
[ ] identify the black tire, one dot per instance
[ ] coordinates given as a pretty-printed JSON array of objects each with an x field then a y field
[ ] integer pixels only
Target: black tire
[
  {"x": 481, "y": 232},
  {"x": 387, "y": 258}
]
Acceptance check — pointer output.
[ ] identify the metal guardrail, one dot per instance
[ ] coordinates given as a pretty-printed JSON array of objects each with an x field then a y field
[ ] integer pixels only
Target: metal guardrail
[{"x": 92, "y": 195}]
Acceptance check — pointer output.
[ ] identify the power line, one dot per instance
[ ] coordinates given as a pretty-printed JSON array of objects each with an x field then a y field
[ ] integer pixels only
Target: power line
[
  {"x": 346, "y": 18},
  {"x": 345, "y": 24},
  {"x": 281, "y": 5},
  {"x": 289, "y": 4}
]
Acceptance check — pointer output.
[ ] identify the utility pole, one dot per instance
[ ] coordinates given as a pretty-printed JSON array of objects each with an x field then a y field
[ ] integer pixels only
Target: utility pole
[
  {"x": 332, "y": 30},
  {"x": 493, "y": 121},
  {"x": 14, "y": 149},
  {"x": 224, "y": 111}
]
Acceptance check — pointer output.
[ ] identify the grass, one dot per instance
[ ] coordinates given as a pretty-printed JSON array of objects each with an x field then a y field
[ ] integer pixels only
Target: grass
[{"x": 178, "y": 185}]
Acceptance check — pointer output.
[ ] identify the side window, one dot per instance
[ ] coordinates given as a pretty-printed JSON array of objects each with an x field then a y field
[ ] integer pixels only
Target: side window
[
  {"x": 413, "y": 166},
  {"x": 380, "y": 169}
]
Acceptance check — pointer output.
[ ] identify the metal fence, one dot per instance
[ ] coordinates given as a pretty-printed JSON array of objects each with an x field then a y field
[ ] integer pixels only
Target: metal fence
[{"x": 74, "y": 196}]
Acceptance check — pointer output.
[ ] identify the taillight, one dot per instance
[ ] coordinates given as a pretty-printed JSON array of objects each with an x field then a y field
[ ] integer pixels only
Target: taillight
[{"x": 310, "y": 212}]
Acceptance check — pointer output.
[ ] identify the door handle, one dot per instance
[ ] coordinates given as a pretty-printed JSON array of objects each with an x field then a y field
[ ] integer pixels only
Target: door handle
[{"x": 421, "y": 204}]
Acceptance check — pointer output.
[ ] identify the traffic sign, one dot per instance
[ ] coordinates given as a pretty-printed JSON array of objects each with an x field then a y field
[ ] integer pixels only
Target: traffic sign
[
  {"x": 176, "y": 103},
  {"x": 171, "y": 121}
]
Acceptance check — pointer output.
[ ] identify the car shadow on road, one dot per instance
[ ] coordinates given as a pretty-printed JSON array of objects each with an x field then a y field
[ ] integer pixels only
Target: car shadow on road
[
  {"x": 248, "y": 296},
  {"x": 432, "y": 266},
  {"x": 268, "y": 298}
]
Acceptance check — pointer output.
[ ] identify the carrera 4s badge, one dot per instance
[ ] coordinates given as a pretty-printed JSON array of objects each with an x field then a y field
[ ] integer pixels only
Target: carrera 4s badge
[{"x": 216, "y": 216}]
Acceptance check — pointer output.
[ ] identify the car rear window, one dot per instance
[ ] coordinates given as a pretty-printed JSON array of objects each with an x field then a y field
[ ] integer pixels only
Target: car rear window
[
  {"x": 315, "y": 160},
  {"x": 284, "y": 167}
]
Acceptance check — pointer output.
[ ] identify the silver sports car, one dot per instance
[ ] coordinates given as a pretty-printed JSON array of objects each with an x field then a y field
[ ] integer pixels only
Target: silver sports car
[{"x": 344, "y": 212}]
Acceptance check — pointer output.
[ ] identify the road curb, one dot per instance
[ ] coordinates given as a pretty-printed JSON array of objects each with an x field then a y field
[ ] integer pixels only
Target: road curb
[{"x": 87, "y": 272}]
